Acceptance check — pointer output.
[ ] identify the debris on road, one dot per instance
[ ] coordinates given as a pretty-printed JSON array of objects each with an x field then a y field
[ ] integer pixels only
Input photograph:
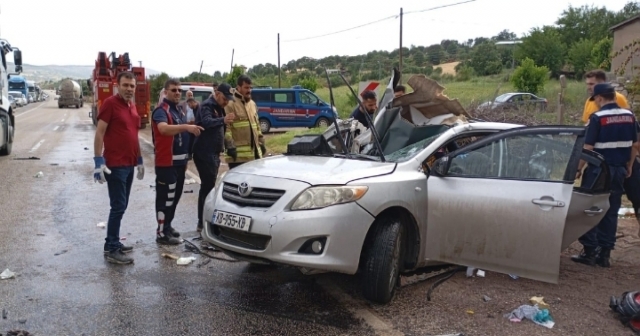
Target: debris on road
[
  {"x": 514, "y": 277},
  {"x": 170, "y": 256},
  {"x": 7, "y": 274},
  {"x": 190, "y": 181},
  {"x": 61, "y": 252},
  {"x": 101, "y": 225},
  {"x": 188, "y": 191},
  {"x": 480, "y": 273},
  {"x": 28, "y": 158},
  {"x": 628, "y": 309},
  {"x": 486, "y": 298},
  {"x": 23, "y": 321},
  {"x": 17, "y": 332},
  {"x": 185, "y": 260},
  {"x": 39, "y": 174},
  {"x": 204, "y": 263},
  {"x": 40, "y": 234},
  {"x": 539, "y": 300},
  {"x": 4, "y": 314},
  {"x": 538, "y": 316}
]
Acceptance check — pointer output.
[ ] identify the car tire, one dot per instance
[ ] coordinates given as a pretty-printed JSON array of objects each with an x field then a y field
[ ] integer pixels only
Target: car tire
[
  {"x": 322, "y": 122},
  {"x": 265, "y": 125},
  {"x": 383, "y": 260},
  {"x": 8, "y": 147},
  {"x": 59, "y": 106}
]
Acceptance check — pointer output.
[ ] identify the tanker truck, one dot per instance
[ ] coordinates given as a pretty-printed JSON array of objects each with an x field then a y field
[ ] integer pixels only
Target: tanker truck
[
  {"x": 7, "y": 118},
  {"x": 70, "y": 94}
]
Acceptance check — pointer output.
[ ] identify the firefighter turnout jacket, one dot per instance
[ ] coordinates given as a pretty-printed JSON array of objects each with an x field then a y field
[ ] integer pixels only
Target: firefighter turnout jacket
[{"x": 243, "y": 134}]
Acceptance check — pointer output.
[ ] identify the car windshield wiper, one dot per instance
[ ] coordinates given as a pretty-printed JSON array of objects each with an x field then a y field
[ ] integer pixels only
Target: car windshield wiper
[{"x": 357, "y": 156}]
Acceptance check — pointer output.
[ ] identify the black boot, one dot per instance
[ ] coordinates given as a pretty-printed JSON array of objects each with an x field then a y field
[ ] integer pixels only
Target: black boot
[
  {"x": 587, "y": 256},
  {"x": 603, "y": 258}
]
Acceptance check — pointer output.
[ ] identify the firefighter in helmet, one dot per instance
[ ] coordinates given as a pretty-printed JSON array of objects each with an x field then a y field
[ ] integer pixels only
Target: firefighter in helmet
[{"x": 243, "y": 139}]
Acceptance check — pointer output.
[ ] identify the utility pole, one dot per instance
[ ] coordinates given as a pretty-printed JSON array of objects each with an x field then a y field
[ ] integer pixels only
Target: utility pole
[
  {"x": 201, "y": 62},
  {"x": 400, "y": 64},
  {"x": 232, "y": 52},
  {"x": 279, "y": 68}
]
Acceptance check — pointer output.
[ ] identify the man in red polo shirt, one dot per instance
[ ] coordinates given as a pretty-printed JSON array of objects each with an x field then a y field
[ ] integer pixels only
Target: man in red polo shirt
[{"x": 117, "y": 129}]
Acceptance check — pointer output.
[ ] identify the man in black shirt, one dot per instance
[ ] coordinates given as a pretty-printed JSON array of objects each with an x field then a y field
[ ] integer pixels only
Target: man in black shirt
[{"x": 370, "y": 102}]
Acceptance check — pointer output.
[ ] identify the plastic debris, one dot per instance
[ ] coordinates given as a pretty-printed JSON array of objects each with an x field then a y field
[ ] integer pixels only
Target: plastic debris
[
  {"x": 7, "y": 274},
  {"x": 486, "y": 298},
  {"x": 470, "y": 271},
  {"x": 170, "y": 256},
  {"x": 539, "y": 300},
  {"x": 470, "y": 312},
  {"x": 39, "y": 174},
  {"x": 480, "y": 273},
  {"x": 533, "y": 313},
  {"x": 102, "y": 225},
  {"x": 514, "y": 277},
  {"x": 190, "y": 181},
  {"x": 185, "y": 260}
]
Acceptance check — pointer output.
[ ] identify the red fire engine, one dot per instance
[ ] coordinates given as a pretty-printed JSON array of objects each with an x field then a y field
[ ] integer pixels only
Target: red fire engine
[{"x": 103, "y": 84}]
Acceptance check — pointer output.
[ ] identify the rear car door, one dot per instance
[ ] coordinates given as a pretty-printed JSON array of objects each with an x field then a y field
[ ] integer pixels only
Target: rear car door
[{"x": 507, "y": 203}]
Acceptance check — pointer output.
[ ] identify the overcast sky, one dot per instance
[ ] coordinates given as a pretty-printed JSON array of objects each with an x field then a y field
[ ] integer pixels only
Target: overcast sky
[{"x": 175, "y": 36}]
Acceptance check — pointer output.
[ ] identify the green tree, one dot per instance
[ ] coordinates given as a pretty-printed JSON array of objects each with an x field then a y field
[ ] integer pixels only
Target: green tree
[
  {"x": 310, "y": 84},
  {"x": 530, "y": 78},
  {"x": 485, "y": 59},
  {"x": 545, "y": 47},
  {"x": 435, "y": 54},
  {"x": 585, "y": 22},
  {"x": 232, "y": 78},
  {"x": 157, "y": 84},
  {"x": 464, "y": 73},
  {"x": 580, "y": 56},
  {"x": 418, "y": 58},
  {"x": 601, "y": 54}
]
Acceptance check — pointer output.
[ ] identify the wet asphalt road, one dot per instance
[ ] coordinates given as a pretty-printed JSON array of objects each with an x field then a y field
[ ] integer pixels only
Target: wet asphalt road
[{"x": 64, "y": 286}]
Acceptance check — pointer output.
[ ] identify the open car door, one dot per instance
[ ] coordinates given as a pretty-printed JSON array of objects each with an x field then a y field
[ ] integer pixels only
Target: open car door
[{"x": 507, "y": 202}]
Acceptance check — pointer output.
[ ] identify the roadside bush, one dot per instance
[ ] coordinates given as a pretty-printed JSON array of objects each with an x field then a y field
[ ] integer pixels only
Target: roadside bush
[
  {"x": 530, "y": 78},
  {"x": 310, "y": 84},
  {"x": 464, "y": 73}
]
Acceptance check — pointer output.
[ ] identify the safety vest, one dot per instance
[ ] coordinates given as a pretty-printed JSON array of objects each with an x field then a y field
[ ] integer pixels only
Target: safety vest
[
  {"x": 239, "y": 133},
  {"x": 169, "y": 150}
]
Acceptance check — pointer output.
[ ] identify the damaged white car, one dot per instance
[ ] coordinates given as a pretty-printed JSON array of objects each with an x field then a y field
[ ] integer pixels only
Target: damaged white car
[{"x": 431, "y": 187}]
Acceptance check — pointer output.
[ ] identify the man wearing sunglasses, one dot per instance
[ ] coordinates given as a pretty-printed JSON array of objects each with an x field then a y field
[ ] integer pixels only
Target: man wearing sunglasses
[
  {"x": 209, "y": 145},
  {"x": 171, "y": 142}
]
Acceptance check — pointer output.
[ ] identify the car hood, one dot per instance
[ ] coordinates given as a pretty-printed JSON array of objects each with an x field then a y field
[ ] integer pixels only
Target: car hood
[{"x": 315, "y": 170}]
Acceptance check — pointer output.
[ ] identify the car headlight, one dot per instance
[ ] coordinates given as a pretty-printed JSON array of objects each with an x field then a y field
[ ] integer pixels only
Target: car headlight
[{"x": 324, "y": 196}]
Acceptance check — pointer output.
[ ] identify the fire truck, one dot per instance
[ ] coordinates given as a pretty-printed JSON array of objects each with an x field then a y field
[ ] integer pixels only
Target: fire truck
[{"x": 104, "y": 84}]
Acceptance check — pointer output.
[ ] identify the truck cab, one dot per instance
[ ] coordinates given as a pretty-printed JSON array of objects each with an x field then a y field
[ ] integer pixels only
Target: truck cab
[
  {"x": 7, "y": 118},
  {"x": 294, "y": 107},
  {"x": 19, "y": 83}
]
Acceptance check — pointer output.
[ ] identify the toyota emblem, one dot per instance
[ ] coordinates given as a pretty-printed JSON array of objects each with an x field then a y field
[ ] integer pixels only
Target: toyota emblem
[{"x": 244, "y": 190}]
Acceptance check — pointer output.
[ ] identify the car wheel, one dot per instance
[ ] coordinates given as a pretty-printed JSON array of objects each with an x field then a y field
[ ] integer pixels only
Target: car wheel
[
  {"x": 322, "y": 122},
  {"x": 383, "y": 261},
  {"x": 265, "y": 125},
  {"x": 59, "y": 106},
  {"x": 6, "y": 150}
]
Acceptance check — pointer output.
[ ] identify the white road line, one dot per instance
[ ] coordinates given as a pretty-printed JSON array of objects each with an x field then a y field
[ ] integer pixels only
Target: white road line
[
  {"x": 56, "y": 128},
  {"x": 28, "y": 111},
  {"x": 36, "y": 146},
  {"x": 189, "y": 173},
  {"x": 379, "y": 326}
]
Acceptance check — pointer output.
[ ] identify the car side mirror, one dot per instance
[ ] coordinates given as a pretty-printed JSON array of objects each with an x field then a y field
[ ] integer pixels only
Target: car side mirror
[{"x": 441, "y": 166}]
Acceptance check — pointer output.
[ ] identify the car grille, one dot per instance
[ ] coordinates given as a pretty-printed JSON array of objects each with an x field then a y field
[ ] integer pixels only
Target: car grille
[
  {"x": 259, "y": 197},
  {"x": 240, "y": 239}
]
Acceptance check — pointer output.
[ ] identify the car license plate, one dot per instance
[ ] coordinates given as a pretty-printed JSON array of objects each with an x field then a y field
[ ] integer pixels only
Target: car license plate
[{"x": 233, "y": 221}]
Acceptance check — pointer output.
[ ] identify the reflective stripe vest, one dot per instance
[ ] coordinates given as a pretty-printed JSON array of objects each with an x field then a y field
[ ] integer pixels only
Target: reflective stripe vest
[
  {"x": 169, "y": 150},
  {"x": 244, "y": 133}
]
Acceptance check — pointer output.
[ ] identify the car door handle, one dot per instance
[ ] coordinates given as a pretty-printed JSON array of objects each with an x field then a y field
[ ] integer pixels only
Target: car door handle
[
  {"x": 593, "y": 211},
  {"x": 558, "y": 204}
]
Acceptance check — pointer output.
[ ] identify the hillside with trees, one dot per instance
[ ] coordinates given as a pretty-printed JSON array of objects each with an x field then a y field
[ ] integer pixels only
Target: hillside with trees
[{"x": 579, "y": 40}]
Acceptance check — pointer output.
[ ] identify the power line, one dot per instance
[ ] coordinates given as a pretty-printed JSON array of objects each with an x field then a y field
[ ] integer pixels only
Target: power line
[
  {"x": 344, "y": 30},
  {"x": 378, "y": 21},
  {"x": 438, "y": 7}
]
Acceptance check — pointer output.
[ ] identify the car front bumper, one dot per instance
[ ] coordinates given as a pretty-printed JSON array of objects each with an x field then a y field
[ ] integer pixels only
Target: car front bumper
[{"x": 279, "y": 236}]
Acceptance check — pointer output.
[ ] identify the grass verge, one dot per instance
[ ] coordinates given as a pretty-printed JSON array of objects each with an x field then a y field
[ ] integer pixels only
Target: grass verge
[{"x": 277, "y": 143}]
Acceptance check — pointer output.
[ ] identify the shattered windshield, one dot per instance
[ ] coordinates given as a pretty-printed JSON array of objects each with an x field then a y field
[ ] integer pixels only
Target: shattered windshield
[{"x": 407, "y": 153}]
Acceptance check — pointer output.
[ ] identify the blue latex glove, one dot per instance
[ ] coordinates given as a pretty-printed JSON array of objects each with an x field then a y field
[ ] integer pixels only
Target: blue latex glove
[
  {"x": 100, "y": 169},
  {"x": 140, "y": 168}
]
